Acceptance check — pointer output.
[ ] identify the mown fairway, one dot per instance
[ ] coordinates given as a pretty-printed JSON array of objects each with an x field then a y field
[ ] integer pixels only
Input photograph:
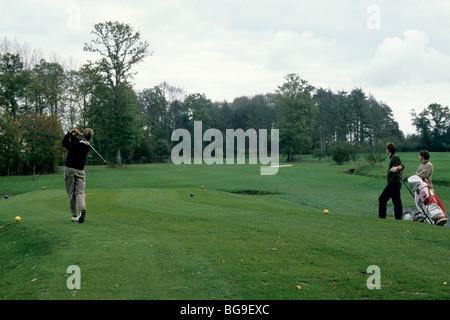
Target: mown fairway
[{"x": 146, "y": 238}]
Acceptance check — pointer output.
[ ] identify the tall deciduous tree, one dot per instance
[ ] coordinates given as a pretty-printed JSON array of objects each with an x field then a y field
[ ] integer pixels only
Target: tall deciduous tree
[
  {"x": 49, "y": 84},
  {"x": 120, "y": 48},
  {"x": 10, "y": 142},
  {"x": 296, "y": 112},
  {"x": 13, "y": 82},
  {"x": 433, "y": 126},
  {"x": 43, "y": 148}
]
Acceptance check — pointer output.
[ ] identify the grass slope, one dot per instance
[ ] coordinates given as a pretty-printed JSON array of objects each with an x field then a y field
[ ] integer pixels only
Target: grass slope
[{"x": 146, "y": 238}]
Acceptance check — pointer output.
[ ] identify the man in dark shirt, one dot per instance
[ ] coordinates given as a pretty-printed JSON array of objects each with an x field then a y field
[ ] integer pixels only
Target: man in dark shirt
[
  {"x": 74, "y": 175},
  {"x": 394, "y": 184}
]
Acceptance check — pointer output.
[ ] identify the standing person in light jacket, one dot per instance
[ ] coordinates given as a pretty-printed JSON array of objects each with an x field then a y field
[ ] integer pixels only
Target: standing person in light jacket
[
  {"x": 394, "y": 184},
  {"x": 74, "y": 175},
  {"x": 425, "y": 169}
]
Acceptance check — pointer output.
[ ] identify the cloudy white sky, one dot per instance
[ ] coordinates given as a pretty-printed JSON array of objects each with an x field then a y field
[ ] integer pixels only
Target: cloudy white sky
[{"x": 398, "y": 51}]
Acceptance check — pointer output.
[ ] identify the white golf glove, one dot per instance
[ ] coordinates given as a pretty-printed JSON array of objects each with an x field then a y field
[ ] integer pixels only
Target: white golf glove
[{"x": 393, "y": 169}]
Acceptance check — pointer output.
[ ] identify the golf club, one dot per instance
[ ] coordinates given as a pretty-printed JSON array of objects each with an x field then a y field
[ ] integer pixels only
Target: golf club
[
  {"x": 407, "y": 187},
  {"x": 77, "y": 132},
  {"x": 93, "y": 149}
]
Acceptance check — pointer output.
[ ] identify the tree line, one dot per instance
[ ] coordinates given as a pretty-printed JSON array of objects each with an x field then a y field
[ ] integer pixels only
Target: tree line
[{"x": 40, "y": 100}]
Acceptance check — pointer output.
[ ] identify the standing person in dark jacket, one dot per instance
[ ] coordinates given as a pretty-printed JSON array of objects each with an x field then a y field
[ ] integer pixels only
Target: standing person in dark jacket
[
  {"x": 394, "y": 184},
  {"x": 74, "y": 175}
]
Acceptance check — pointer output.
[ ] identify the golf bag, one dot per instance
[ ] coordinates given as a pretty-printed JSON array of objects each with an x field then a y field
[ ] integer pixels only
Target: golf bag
[{"x": 431, "y": 209}]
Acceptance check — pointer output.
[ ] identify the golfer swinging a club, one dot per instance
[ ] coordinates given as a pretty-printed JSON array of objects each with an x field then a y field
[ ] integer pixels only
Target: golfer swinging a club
[{"x": 74, "y": 175}]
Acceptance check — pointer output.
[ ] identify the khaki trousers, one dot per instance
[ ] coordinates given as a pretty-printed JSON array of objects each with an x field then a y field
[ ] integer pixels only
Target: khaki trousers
[{"x": 75, "y": 184}]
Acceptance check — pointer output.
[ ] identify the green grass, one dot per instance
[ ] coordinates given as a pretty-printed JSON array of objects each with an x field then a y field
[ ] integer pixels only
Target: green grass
[{"x": 146, "y": 238}]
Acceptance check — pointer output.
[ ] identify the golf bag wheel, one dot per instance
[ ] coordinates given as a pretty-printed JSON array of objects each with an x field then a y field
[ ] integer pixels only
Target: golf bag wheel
[
  {"x": 441, "y": 221},
  {"x": 408, "y": 215}
]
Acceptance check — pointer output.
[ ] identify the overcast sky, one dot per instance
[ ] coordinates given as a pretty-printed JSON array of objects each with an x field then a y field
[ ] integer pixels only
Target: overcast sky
[{"x": 398, "y": 51}]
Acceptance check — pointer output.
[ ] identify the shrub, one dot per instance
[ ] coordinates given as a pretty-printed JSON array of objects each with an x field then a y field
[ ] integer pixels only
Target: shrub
[{"x": 340, "y": 153}]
